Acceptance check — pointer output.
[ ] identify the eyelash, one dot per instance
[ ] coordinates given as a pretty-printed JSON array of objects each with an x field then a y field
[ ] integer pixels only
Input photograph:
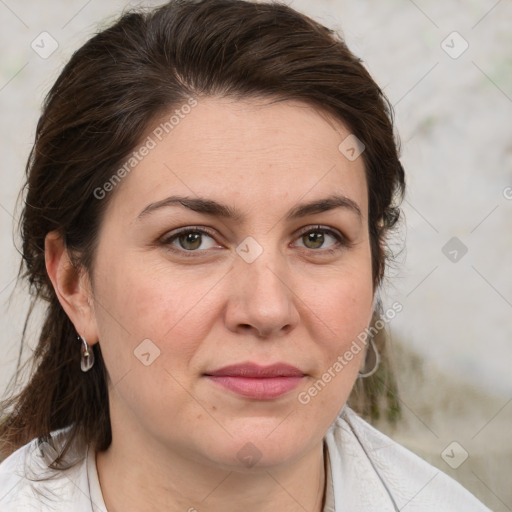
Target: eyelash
[{"x": 343, "y": 242}]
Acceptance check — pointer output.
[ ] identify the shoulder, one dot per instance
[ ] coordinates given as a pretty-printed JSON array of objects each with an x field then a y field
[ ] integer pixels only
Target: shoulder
[
  {"x": 384, "y": 471},
  {"x": 27, "y": 483}
]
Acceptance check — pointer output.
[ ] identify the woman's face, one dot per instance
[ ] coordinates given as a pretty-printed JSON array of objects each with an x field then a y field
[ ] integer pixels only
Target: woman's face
[{"x": 267, "y": 287}]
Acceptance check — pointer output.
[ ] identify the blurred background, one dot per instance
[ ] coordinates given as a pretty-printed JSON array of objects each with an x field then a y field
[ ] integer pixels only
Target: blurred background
[{"x": 447, "y": 69}]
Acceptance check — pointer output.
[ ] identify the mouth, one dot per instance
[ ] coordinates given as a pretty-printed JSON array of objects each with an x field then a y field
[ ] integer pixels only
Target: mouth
[{"x": 257, "y": 382}]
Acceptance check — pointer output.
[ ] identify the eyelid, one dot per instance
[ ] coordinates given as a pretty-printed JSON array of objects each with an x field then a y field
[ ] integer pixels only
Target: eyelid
[
  {"x": 343, "y": 241},
  {"x": 169, "y": 235},
  {"x": 318, "y": 227}
]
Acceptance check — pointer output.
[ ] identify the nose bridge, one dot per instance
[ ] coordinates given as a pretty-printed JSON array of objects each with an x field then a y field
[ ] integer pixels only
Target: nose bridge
[
  {"x": 263, "y": 264},
  {"x": 264, "y": 285}
]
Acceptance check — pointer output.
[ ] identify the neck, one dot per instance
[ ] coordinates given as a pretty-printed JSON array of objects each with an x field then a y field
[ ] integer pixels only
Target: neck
[{"x": 151, "y": 478}]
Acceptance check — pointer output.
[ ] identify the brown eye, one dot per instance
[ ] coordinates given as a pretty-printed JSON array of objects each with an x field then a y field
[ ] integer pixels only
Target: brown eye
[
  {"x": 190, "y": 240},
  {"x": 187, "y": 240},
  {"x": 316, "y": 238}
]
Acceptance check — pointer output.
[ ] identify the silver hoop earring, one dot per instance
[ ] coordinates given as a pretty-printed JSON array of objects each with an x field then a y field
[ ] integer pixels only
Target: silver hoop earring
[
  {"x": 87, "y": 359},
  {"x": 377, "y": 361}
]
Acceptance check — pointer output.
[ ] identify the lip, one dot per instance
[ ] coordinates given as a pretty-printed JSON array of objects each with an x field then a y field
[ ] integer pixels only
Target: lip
[
  {"x": 258, "y": 382},
  {"x": 254, "y": 370}
]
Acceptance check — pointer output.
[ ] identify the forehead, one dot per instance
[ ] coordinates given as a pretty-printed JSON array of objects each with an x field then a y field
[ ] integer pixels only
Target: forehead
[{"x": 252, "y": 152}]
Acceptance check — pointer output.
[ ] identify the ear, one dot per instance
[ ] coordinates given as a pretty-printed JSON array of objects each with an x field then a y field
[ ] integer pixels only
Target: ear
[{"x": 72, "y": 287}]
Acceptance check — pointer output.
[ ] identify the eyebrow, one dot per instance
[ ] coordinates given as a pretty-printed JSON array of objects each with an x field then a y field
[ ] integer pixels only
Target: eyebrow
[{"x": 216, "y": 209}]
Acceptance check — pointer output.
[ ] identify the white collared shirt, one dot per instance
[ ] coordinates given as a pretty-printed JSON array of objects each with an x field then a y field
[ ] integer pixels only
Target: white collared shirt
[
  {"x": 370, "y": 472},
  {"x": 366, "y": 472}
]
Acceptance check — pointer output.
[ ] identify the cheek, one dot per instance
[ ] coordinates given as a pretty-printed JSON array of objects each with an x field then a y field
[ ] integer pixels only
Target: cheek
[
  {"x": 345, "y": 354},
  {"x": 341, "y": 308},
  {"x": 138, "y": 300},
  {"x": 342, "y": 300},
  {"x": 145, "y": 310},
  {"x": 343, "y": 312}
]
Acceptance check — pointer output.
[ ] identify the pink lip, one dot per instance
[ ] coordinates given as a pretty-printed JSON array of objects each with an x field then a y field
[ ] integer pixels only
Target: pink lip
[{"x": 258, "y": 382}]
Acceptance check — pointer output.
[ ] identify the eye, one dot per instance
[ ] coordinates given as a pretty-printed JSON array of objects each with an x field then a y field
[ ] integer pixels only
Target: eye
[
  {"x": 315, "y": 237},
  {"x": 189, "y": 239}
]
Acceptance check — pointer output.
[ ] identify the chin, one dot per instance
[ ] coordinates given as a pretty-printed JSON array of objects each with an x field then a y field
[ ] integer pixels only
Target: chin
[{"x": 260, "y": 445}]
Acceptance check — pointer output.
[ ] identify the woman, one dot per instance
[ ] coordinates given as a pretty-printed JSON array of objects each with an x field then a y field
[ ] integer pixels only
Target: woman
[{"x": 208, "y": 200}]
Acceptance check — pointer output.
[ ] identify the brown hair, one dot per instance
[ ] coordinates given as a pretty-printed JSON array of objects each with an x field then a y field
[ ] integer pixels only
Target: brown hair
[{"x": 94, "y": 115}]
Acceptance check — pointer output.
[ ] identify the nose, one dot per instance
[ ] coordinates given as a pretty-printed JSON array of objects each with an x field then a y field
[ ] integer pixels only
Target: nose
[{"x": 262, "y": 299}]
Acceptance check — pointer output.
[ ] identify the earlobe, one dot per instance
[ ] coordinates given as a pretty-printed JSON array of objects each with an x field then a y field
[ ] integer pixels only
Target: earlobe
[{"x": 71, "y": 286}]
